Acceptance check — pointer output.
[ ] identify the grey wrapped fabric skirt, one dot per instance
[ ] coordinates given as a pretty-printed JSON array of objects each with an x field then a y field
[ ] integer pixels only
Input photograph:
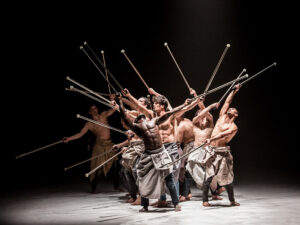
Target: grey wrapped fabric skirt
[
  {"x": 150, "y": 177},
  {"x": 210, "y": 161}
]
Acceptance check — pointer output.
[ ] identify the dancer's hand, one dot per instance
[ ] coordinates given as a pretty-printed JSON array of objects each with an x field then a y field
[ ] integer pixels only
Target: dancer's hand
[
  {"x": 66, "y": 139},
  {"x": 125, "y": 92}
]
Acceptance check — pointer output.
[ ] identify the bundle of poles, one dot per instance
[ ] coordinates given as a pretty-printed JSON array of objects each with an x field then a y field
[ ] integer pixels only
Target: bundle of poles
[{"x": 102, "y": 97}]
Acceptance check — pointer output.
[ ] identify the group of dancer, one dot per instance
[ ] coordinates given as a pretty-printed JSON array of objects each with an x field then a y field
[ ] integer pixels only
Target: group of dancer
[
  {"x": 158, "y": 135},
  {"x": 164, "y": 152}
]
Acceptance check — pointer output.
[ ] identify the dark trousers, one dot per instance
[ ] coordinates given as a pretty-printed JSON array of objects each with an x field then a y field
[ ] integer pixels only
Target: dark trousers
[
  {"x": 132, "y": 187},
  {"x": 185, "y": 186},
  {"x": 172, "y": 189},
  {"x": 205, "y": 188},
  {"x": 112, "y": 174}
]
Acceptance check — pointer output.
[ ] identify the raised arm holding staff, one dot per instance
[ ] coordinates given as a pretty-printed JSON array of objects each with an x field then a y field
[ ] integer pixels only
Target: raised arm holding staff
[{"x": 232, "y": 85}]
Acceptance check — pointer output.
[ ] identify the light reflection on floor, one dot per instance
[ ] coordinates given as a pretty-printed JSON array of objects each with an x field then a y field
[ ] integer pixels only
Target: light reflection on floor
[{"x": 260, "y": 204}]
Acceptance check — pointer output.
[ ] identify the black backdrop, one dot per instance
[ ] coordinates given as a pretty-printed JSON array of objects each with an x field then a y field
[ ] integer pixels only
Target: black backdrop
[{"x": 42, "y": 43}]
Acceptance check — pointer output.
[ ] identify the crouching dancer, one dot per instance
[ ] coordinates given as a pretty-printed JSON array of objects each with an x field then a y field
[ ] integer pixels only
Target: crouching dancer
[{"x": 150, "y": 177}]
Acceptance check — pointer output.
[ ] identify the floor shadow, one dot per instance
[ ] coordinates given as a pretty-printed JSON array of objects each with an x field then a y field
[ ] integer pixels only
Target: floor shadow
[{"x": 161, "y": 210}]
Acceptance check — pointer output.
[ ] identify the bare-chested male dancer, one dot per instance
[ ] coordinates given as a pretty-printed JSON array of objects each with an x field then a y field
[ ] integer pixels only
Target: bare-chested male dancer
[
  {"x": 102, "y": 144},
  {"x": 151, "y": 177},
  {"x": 185, "y": 139},
  {"x": 218, "y": 160}
]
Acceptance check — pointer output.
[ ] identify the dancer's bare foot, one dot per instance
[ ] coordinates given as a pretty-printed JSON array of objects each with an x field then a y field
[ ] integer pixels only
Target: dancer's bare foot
[
  {"x": 144, "y": 209},
  {"x": 206, "y": 204},
  {"x": 189, "y": 196},
  {"x": 131, "y": 200},
  {"x": 162, "y": 204},
  {"x": 177, "y": 208},
  {"x": 137, "y": 201},
  {"x": 235, "y": 204},
  {"x": 182, "y": 198},
  {"x": 154, "y": 204},
  {"x": 220, "y": 190},
  {"x": 216, "y": 197}
]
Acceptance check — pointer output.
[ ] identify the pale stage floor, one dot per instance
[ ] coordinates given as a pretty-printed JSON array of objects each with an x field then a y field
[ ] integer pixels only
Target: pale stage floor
[{"x": 72, "y": 203}]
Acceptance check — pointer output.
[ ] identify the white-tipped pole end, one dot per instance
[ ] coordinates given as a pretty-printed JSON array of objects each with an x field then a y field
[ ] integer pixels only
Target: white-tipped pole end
[
  {"x": 86, "y": 175},
  {"x": 228, "y": 45},
  {"x": 102, "y": 52},
  {"x": 122, "y": 51},
  {"x": 80, "y": 47},
  {"x": 71, "y": 87},
  {"x": 166, "y": 44},
  {"x": 246, "y": 75},
  {"x": 85, "y": 43},
  {"x": 275, "y": 64},
  {"x": 67, "y": 77},
  {"x": 65, "y": 169},
  {"x": 78, "y": 115},
  {"x": 244, "y": 70}
]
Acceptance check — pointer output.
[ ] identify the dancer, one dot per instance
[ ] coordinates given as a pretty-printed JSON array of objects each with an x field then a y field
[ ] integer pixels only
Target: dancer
[
  {"x": 133, "y": 149},
  {"x": 218, "y": 160},
  {"x": 185, "y": 140},
  {"x": 150, "y": 178},
  {"x": 102, "y": 144}
]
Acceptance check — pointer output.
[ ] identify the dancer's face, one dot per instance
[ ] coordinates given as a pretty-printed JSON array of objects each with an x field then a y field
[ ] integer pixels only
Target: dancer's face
[
  {"x": 93, "y": 111},
  {"x": 142, "y": 102},
  {"x": 232, "y": 112},
  {"x": 158, "y": 107}
]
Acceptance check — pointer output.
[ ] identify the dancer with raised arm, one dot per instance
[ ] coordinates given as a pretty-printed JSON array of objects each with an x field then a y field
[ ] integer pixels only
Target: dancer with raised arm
[
  {"x": 218, "y": 160},
  {"x": 151, "y": 178}
]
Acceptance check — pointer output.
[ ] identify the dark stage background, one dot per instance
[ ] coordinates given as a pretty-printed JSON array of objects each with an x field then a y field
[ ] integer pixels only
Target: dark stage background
[{"x": 42, "y": 43}]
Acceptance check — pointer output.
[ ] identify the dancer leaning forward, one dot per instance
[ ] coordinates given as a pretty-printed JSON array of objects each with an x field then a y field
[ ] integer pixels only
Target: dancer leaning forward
[{"x": 151, "y": 178}]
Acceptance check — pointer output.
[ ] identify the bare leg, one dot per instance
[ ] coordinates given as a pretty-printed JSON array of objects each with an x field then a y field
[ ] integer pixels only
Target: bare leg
[{"x": 220, "y": 190}]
